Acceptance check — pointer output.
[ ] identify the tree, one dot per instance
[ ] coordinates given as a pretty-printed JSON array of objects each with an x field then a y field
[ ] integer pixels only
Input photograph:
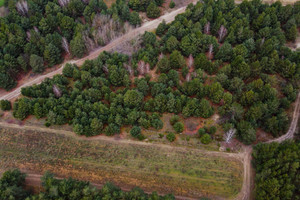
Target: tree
[
  {"x": 161, "y": 29},
  {"x": 5, "y": 105},
  {"x": 153, "y": 11},
  {"x": 52, "y": 55},
  {"x": 135, "y": 19},
  {"x": 225, "y": 52},
  {"x": 22, "y": 108},
  {"x": 177, "y": 61},
  {"x": 205, "y": 139},
  {"x": 36, "y": 63},
  {"x": 246, "y": 132},
  {"x": 171, "y": 137},
  {"x": 172, "y": 44},
  {"x": 133, "y": 99},
  {"x": 172, "y": 4},
  {"x": 77, "y": 46},
  {"x": 178, "y": 127},
  {"x": 164, "y": 65},
  {"x": 174, "y": 119},
  {"x": 135, "y": 131}
]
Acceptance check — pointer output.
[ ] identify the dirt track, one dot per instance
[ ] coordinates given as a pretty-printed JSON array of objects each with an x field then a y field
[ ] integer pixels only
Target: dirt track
[
  {"x": 148, "y": 26},
  {"x": 293, "y": 126}
]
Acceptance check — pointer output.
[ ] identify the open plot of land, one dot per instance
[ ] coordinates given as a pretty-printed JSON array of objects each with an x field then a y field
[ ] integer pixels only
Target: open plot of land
[{"x": 184, "y": 172}]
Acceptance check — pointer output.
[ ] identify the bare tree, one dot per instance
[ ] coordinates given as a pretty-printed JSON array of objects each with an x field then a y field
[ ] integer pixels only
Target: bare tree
[
  {"x": 188, "y": 77},
  {"x": 262, "y": 41},
  {"x": 229, "y": 135},
  {"x": 210, "y": 51},
  {"x": 141, "y": 67},
  {"x": 147, "y": 68},
  {"x": 56, "y": 91},
  {"x": 89, "y": 43},
  {"x": 222, "y": 33},
  {"x": 65, "y": 45},
  {"x": 129, "y": 69},
  {"x": 190, "y": 61},
  {"x": 63, "y": 3},
  {"x": 161, "y": 56},
  {"x": 207, "y": 28},
  {"x": 22, "y": 7},
  {"x": 36, "y": 29},
  {"x": 107, "y": 29},
  {"x": 28, "y": 35},
  {"x": 105, "y": 69}
]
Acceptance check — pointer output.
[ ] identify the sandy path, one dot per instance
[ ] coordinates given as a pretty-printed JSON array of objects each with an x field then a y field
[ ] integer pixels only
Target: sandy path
[{"x": 148, "y": 26}]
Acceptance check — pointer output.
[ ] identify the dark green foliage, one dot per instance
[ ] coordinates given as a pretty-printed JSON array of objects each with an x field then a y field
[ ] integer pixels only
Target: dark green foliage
[
  {"x": 246, "y": 132},
  {"x": 36, "y": 63},
  {"x": 178, "y": 127},
  {"x": 277, "y": 170},
  {"x": 201, "y": 132},
  {"x": 153, "y": 11},
  {"x": 135, "y": 131},
  {"x": 5, "y": 105},
  {"x": 174, "y": 119},
  {"x": 205, "y": 139},
  {"x": 12, "y": 187},
  {"x": 172, "y": 4},
  {"x": 171, "y": 137},
  {"x": 77, "y": 46},
  {"x": 135, "y": 19}
]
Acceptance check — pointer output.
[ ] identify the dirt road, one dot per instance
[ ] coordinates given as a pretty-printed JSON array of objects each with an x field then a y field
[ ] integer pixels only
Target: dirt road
[
  {"x": 148, "y": 26},
  {"x": 290, "y": 133}
]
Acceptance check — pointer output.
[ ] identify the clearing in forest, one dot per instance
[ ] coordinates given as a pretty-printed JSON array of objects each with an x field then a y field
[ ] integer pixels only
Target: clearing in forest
[{"x": 181, "y": 171}]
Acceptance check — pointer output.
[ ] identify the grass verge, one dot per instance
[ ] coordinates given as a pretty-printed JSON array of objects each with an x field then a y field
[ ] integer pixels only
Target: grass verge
[{"x": 184, "y": 172}]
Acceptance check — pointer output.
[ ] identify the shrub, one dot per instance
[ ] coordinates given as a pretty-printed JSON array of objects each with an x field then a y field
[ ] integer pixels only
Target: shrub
[
  {"x": 174, "y": 119},
  {"x": 178, "y": 127},
  {"x": 135, "y": 131},
  {"x": 205, "y": 139},
  {"x": 171, "y": 137},
  {"x": 212, "y": 130},
  {"x": 153, "y": 11},
  {"x": 5, "y": 105},
  {"x": 201, "y": 132},
  {"x": 172, "y": 4}
]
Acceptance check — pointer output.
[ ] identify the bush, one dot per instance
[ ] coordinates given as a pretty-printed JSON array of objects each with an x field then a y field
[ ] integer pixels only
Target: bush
[
  {"x": 171, "y": 137},
  {"x": 212, "y": 130},
  {"x": 172, "y": 4},
  {"x": 135, "y": 131},
  {"x": 178, "y": 127},
  {"x": 153, "y": 11},
  {"x": 205, "y": 139},
  {"x": 135, "y": 19},
  {"x": 5, "y": 105},
  {"x": 201, "y": 132},
  {"x": 174, "y": 119}
]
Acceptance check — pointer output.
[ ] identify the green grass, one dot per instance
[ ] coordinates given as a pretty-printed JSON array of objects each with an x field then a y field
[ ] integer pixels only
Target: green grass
[
  {"x": 184, "y": 172},
  {"x": 1, "y": 3}
]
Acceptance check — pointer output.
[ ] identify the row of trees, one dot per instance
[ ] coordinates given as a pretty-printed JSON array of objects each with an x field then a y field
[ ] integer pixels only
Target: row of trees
[
  {"x": 37, "y": 34},
  {"x": 12, "y": 186}
]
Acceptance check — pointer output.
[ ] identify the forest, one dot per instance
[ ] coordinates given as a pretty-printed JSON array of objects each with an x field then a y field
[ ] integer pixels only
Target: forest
[
  {"x": 12, "y": 187},
  {"x": 217, "y": 57},
  {"x": 277, "y": 170},
  {"x": 38, "y": 34}
]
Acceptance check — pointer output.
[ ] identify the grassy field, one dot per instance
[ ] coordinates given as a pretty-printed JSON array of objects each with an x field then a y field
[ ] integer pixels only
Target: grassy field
[
  {"x": 1, "y": 3},
  {"x": 184, "y": 172}
]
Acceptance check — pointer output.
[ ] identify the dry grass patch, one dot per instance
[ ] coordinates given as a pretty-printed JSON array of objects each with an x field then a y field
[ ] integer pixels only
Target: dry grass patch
[{"x": 182, "y": 171}]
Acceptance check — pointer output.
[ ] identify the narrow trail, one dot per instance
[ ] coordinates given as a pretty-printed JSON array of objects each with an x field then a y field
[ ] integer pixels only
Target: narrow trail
[
  {"x": 148, "y": 26},
  {"x": 292, "y": 129}
]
